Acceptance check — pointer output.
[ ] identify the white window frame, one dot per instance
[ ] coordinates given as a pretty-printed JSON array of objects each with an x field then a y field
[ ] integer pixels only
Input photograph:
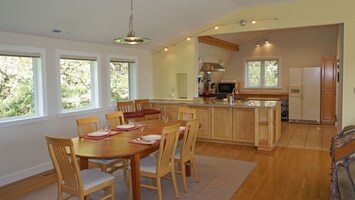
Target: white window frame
[
  {"x": 262, "y": 86},
  {"x": 133, "y": 74},
  {"x": 40, "y": 95},
  {"x": 95, "y": 81}
]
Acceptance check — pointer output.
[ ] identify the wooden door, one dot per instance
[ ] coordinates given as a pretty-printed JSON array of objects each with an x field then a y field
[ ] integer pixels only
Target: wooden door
[
  {"x": 328, "y": 90},
  {"x": 204, "y": 117}
]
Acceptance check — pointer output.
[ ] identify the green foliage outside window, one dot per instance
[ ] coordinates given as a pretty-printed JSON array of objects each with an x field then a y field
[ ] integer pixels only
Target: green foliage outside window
[
  {"x": 119, "y": 80},
  {"x": 16, "y": 86},
  {"x": 75, "y": 83},
  {"x": 262, "y": 73}
]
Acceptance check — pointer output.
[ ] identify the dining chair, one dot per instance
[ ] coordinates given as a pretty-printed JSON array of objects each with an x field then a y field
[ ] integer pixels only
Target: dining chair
[
  {"x": 143, "y": 105},
  {"x": 161, "y": 165},
  {"x": 69, "y": 177},
  {"x": 90, "y": 124},
  {"x": 115, "y": 119},
  {"x": 186, "y": 113},
  {"x": 129, "y": 111},
  {"x": 185, "y": 153}
]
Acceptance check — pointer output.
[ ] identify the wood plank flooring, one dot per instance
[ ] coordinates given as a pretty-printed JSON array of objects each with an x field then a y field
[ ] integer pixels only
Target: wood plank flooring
[{"x": 284, "y": 173}]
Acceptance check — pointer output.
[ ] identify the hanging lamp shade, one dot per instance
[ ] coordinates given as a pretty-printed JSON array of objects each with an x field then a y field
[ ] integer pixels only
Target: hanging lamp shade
[
  {"x": 131, "y": 37},
  {"x": 211, "y": 67}
]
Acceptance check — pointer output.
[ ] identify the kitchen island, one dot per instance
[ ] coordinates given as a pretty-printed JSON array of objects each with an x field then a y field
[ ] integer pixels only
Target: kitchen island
[{"x": 247, "y": 122}]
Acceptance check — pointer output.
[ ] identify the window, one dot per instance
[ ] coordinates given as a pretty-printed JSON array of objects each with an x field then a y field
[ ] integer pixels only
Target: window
[
  {"x": 262, "y": 73},
  {"x": 78, "y": 82},
  {"x": 121, "y": 83},
  {"x": 21, "y": 87}
]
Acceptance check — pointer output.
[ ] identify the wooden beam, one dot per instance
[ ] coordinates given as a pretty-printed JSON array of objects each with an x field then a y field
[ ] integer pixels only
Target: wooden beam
[{"x": 218, "y": 43}]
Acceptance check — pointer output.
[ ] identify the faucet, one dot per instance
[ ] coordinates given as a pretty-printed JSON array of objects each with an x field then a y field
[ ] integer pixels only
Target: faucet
[{"x": 232, "y": 96}]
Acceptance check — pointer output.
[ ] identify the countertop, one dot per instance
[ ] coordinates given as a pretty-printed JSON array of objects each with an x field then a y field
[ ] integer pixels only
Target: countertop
[{"x": 219, "y": 103}]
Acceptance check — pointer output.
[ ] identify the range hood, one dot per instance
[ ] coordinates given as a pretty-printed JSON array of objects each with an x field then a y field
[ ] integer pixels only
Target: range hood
[{"x": 211, "y": 67}]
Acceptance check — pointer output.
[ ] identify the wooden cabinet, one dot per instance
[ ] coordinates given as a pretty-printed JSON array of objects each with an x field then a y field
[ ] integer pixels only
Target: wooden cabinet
[
  {"x": 328, "y": 90},
  {"x": 257, "y": 126},
  {"x": 203, "y": 114},
  {"x": 243, "y": 125},
  {"x": 221, "y": 123}
]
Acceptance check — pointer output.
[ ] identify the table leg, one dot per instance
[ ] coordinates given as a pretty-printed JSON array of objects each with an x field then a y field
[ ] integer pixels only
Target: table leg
[
  {"x": 135, "y": 174},
  {"x": 84, "y": 163}
]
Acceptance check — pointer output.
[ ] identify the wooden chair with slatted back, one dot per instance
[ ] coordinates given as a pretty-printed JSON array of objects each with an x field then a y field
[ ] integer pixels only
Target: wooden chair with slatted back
[
  {"x": 143, "y": 106},
  {"x": 87, "y": 125},
  {"x": 69, "y": 177},
  {"x": 161, "y": 165},
  {"x": 113, "y": 120},
  {"x": 129, "y": 111},
  {"x": 185, "y": 153},
  {"x": 186, "y": 113},
  {"x": 91, "y": 124}
]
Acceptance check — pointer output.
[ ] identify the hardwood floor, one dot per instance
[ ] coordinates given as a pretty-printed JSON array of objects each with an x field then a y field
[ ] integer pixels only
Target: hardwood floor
[{"x": 284, "y": 173}]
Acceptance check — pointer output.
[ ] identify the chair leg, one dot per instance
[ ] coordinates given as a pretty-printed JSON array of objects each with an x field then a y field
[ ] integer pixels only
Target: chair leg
[
  {"x": 125, "y": 178},
  {"x": 197, "y": 177},
  {"x": 173, "y": 177},
  {"x": 160, "y": 196},
  {"x": 130, "y": 195},
  {"x": 183, "y": 176},
  {"x": 112, "y": 191}
]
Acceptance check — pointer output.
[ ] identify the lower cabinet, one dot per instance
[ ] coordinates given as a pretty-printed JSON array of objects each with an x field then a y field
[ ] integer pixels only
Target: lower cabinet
[
  {"x": 222, "y": 123},
  {"x": 260, "y": 127},
  {"x": 204, "y": 115},
  {"x": 243, "y": 125}
]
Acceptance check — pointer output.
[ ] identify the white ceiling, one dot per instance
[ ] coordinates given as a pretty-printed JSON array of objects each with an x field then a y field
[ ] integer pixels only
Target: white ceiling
[{"x": 100, "y": 21}]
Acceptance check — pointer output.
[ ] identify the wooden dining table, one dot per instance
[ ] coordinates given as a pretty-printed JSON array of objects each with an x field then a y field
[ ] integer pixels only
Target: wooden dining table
[{"x": 119, "y": 146}]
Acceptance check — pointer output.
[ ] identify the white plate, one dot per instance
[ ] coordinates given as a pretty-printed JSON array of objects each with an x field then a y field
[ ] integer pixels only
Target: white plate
[
  {"x": 148, "y": 138},
  {"x": 125, "y": 126},
  {"x": 97, "y": 134}
]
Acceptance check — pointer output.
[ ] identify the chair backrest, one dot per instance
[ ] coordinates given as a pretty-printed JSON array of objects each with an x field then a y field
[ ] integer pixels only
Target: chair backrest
[
  {"x": 141, "y": 104},
  {"x": 87, "y": 125},
  {"x": 63, "y": 157},
  {"x": 189, "y": 139},
  {"x": 114, "y": 119},
  {"x": 126, "y": 106},
  {"x": 167, "y": 147},
  {"x": 186, "y": 113}
]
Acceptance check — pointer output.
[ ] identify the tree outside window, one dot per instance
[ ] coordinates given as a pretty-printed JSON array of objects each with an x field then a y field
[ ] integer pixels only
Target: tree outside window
[
  {"x": 120, "y": 80},
  {"x": 76, "y": 83},
  {"x": 17, "y": 91},
  {"x": 262, "y": 73}
]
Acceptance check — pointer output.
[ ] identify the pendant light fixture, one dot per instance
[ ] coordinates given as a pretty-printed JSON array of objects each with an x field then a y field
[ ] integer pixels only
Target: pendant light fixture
[{"x": 131, "y": 36}]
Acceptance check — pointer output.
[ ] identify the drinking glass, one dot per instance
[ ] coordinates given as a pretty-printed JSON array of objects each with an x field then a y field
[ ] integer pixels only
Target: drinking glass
[
  {"x": 108, "y": 130},
  {"x": 165, "y": 118},
  {"x": 141, "y": 128}
]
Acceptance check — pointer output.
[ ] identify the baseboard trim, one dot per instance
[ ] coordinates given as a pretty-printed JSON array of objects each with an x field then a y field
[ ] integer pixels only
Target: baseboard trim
[{"x": 10, "y": 178}]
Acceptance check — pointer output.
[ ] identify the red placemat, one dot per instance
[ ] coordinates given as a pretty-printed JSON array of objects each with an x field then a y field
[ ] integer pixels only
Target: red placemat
[{"x": 100, "y": 137}]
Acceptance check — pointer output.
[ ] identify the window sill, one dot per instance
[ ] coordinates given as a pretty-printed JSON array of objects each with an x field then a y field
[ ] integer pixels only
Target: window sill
[
  {"x": 78, "y": 111},
  {"x": 20, "y": 121}
]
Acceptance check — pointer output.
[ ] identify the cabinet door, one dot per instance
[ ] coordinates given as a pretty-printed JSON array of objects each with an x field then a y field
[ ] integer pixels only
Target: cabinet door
[
  {"x": 328, "y": 90},
  {"x": 221, "y": 123},
  {"x": 244, "y": 125},
  {"x": 203, "y": 115}
]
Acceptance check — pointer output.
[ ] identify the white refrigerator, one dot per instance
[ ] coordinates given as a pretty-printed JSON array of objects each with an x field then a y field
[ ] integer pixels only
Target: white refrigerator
[{"x": 304, "y": 95}]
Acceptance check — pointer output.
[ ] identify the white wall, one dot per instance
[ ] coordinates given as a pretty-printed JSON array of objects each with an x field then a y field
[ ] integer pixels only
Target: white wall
[
  {"x": 23, "y": 151},
  {"x": 295, "y": 48}
]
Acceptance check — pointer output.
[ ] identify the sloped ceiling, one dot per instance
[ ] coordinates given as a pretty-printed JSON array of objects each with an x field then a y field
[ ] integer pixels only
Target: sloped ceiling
[{"x": 100, "y": 21}]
